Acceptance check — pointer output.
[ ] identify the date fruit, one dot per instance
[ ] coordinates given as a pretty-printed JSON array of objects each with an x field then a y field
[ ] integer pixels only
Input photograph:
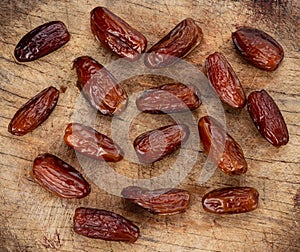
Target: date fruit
[
  {"x": 231, "y": 200},
  {"x": 34, "y": 112},
  {"x": 154, "y": 145},
  {"x": 169, "y": 98},
  {"x": 91, "y": 143},
  {"x": 99, "y": 87},
  {"x": 179, "y": 42},
  {"x": 160, "y": 201},
  {"x": 220, "y": 147},
  {"x": 59, "y": 178},
  {"x": 41, "y": 41},
  {"x": 267, "y": 118},
  {"x": 224, "y": 80},
  {"x": 258, "y": 48},
  {"x": 117, "y": 35},
  {"x": 102, "y": 224}
]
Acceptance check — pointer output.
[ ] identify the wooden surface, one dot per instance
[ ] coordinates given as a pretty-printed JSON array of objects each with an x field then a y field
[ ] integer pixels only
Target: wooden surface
[{"x": 31, "y": 219}]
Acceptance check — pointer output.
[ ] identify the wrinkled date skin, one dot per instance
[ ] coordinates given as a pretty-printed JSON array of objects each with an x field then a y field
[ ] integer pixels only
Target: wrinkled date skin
[
  {"x": 258, "y": 48},
  {"x": 102, "y": 224},
  {"x": 41, "y": 41},
  {"x": 267, "y": 118},
  {"x": 221, "y": 148},
  {"x": 224, "y": 81},
  {"x": 179, "y": 42},
  {"x": 59, "y": 178},
  {"x": 91, "y": 143},
  {"x": 160, "y": 201},
  {"x": 154, "y": 145},
  {"x": 231, "y": 200},
  {"x": 99, "y": 87},
  {"x": 117, "y": 35},
  {"x": 169, "y": 98},
  {"x": 34, "y": 112}
]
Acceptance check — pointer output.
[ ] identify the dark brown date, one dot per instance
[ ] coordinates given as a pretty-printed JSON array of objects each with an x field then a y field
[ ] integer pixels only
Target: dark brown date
[
  {"x": 41, "y": 41},
  {"x": 102, "y": 224},
  {"x": 117, "y": 35},
  {"x": 34, "y": 112},
  {"x": 99, "y": 87},
  {"x": 267, "y": 118},
  {"x": 154, "y": 145},
  {"x": 224, "y": 80},
  {"x": 220, "y": 147},
  {"x": 169, "y": 98},
  {"x": 179, "y": 42},
  {"x": 231, "y": 200},
  {"x": 160, "y": 201},
  {"x": 91, "y": 143},
  {"x": 59, "y": 178},
  {"x": 258, "y": 48}
]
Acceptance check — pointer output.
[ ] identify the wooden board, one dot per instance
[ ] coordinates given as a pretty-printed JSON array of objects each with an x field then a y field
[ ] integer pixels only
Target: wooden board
[{"x": 34, "y": 220}]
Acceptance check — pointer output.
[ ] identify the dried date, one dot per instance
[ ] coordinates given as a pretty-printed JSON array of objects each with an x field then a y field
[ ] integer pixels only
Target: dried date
[
  {"x": 92, "y": 143},
  {"x": 179, "y": 42},
  {"x": 160, "y": 201},
  {"x": 41, "y": 41},
  {"x": 59, "y": 178},
  {"x": 102, "y": 224},
  {"x": 154, "y": 145},
  {"x": 117, "y": 35},
  {"x": 231, "y": 200},
  {"x": 258, "y": 48},
  {"x": 220, "y": 147},
  {"x": 224, "y": 80},
  {"x": 34, "y": 112},
  {"x": 267, "y": 118}
]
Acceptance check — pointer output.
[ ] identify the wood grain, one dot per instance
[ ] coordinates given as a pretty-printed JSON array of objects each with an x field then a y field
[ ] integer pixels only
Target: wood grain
[{"x": 34, "y": 220}]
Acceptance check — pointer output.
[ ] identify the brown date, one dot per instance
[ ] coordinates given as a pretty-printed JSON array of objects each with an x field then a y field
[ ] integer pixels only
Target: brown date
[
  {"x": 117, "y": 35},
  {"x": 102, "y": 224},
  {"x": 41, "y": 41},
  {"x": 59, "y": 178},
  {"x": 34, "y": 112},
  {"x": 179, "y": 42},
  {"x": 267, "y": 118},
  {"x": 224, "y": 80},
  {"x": 154, "y": 145},
  {"x": 220, "y": 147},
  {"x": 99, "y": 87},
  {"x": 169, "y": 98},
  {"x": 160, "y": 201},
  {"x": 231, "y": 200},
  {"x": 91, "y": 143},
  {"x": 258, "y": 48}
]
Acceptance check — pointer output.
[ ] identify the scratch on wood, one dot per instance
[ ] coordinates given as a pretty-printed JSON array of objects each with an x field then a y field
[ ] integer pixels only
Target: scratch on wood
[
  {"x": 297, "y": 198},
  {"x": 53, "y": 242}
]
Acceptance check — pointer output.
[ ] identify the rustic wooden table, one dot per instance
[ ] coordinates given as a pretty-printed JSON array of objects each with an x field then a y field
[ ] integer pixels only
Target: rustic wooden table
[{"x": 34, "y": 220}]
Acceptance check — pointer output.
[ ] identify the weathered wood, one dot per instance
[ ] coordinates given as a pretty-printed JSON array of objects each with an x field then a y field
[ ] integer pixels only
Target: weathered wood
[{"x": 34, "y": 220}]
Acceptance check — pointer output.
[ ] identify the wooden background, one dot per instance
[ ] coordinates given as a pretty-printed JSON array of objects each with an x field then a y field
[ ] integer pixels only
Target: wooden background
[{"x": 31, "y": 219}]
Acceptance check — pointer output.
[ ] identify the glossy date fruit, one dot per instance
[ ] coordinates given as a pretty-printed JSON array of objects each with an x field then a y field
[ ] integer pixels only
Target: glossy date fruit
[
  {"x": 267, "y": 118},
  {"x": 179, "y": 42},
  {"x": 102, "y": 224},
  {"x": 99, "y": 87},
  {"x": 91, "y": 143},
  {"x": 41, "y": 41},
  {"x": 258, "y": 48},
  {"x": 169, "y": 98},
  {"x": 220, "y": 147},
  {"x": 231, "y": 200},
  {"x": 34, "y": 112},
  {"x": 154, "y": 145},
  {"x": 59, "y": 178},
  {"x": 224, "y": 80},
  {"x": 160, "y": 201},
  {"x": 117, "y": 35}
]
